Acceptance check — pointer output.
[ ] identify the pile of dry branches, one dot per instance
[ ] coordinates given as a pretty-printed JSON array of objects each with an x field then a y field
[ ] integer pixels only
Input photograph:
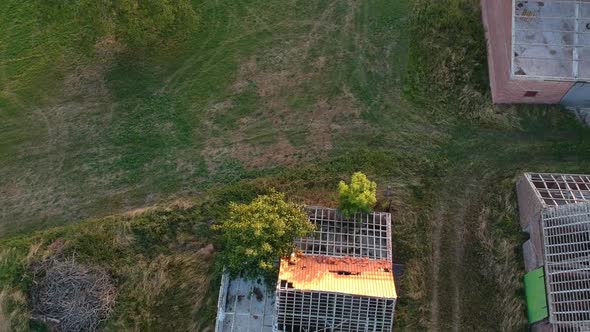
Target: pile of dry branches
[{"x": 71, "y": 297}]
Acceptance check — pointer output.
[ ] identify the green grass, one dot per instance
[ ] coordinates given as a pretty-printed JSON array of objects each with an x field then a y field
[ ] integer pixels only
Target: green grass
[
  {"x": 471, "y": 262},
  {"x": 293, "y": 95},
  {"x": 157, "y": 251},
  {"x": 103, "y": 135}
]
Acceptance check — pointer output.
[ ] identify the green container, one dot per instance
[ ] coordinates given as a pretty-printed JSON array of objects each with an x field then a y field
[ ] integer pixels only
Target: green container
[{"x": 536, "y": 295}]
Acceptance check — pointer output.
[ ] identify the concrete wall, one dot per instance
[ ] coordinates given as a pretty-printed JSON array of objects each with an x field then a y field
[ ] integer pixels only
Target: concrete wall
[
  {"x": 531, "y": 261},
  {"x": 529, "y": 205},
  {"x": 497, "y": 18},
  {"x": 543, "y": 326},
  {"x": 529, "y": 210},
  {"x": 221, "y": 302}
]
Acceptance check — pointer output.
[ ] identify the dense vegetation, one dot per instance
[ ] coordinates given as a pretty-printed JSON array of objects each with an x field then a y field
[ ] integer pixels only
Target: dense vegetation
[
  {"x": 359, "y": 196},
  {"x": 295, "y": 95},
  {"x": 255, "y": 235},
  {"x": 160, "y": 259}
]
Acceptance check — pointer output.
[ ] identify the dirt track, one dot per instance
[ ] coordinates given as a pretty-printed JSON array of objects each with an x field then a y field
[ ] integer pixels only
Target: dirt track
[
  {"x": 473, "y": 268},
  {"x": 451, "y": 225}
]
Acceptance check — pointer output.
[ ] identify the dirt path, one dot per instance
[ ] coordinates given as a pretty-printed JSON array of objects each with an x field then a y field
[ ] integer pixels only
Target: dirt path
[
  {"x": 437, "y": 242},
  {"x": 449, "y": 229},
  {"x": 459, "y": 253}
]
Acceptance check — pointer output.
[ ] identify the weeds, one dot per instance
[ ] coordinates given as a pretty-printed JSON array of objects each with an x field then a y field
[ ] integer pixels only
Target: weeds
[
  {"x": 153, "y": 258},
  {"x": 447, "y": 67}
]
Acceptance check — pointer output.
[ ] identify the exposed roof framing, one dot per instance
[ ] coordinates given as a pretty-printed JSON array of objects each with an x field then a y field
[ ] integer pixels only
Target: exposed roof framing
[
  {"x": 322, "y": 311},
  {"x": 566, "y": 238},
  {"x": 560, "y": 189},
  {"x": 362, "y": 235},
  {"x": 245, "y": 306}
]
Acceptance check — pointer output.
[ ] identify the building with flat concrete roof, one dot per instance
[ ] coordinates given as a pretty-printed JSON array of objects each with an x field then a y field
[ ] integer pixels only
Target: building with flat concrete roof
[
  {"x": 555, "y": 211},
  {"x": 538, "y": 51}
]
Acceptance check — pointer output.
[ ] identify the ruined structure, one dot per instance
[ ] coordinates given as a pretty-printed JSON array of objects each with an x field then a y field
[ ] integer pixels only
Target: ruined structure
[
  {"x": 538, "y": 51},
  {"x": 341, "y": 279},
  {"x": 555, "y": 212}
]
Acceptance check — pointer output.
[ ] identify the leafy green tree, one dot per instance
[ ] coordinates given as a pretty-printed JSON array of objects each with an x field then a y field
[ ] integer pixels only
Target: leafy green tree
[
  {"x": 359, "y": 196},
  {"x": 255, "y": 235}
]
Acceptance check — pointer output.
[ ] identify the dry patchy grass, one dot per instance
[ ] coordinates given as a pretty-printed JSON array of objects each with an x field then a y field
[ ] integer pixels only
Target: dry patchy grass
[
  {"x": 13, "y": 318},
  {"x": 164, "y": 289},
  {"x": 302, "y": 123}
]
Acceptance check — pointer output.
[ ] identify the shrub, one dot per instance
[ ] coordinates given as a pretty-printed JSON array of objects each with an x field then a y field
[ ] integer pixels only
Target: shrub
[
  {"x": 255, "y": 235},
  {"x": 360, "y": 196}
]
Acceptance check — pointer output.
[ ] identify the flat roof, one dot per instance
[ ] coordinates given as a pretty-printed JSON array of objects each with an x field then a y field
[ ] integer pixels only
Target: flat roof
[
  {"x": 346, "y": 275},
  {"x": 245, "y": 306},
  {"x": 551, "y": 40}
]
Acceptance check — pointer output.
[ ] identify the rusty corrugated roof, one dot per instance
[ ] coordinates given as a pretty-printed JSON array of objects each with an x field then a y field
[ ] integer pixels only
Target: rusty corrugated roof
[{"x": 346, "y": 275}]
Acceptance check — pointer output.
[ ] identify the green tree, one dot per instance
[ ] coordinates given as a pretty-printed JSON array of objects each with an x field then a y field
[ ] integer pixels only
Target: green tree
[
  {"x": 359, "y": 196},
  {"x": 255, "y": 235}
]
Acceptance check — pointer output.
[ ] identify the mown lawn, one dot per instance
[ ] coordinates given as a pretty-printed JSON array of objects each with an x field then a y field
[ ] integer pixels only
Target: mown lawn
[{"x": 293, "y": 95}]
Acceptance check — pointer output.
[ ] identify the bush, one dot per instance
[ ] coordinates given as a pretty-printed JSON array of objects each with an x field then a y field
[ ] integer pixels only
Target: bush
[
  {"x": 360, "y": 196},
  {"x": 255, "y": 235}
]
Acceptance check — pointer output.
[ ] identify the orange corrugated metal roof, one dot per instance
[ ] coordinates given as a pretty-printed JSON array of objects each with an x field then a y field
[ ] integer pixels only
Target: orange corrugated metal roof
[{"x": 347, "y": 275}]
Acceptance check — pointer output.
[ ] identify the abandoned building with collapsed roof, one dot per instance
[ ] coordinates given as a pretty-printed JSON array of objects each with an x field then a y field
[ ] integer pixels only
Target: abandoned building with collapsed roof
[
  {"x": 555, "y": 211},
  {"x": 340, "y": 279},
  {"x": 538, "y": 51}
]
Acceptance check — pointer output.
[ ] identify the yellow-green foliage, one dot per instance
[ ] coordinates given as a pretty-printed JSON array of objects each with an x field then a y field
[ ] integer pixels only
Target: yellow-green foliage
[
  {"x": 254, "y": 235},
  {"x": 359, "y": 196}
]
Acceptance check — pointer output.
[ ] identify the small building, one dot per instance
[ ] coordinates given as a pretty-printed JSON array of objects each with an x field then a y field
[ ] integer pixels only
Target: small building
[
  {"x": 555, "y": 211},
  {"x": 341, "y": 279},
  {"x": 538, "y": 51}
]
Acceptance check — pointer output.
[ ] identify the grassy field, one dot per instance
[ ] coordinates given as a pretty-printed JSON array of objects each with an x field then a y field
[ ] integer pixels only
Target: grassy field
[
  {"x": 293, "y": 95},
  {"x": 259, "y": 87}
]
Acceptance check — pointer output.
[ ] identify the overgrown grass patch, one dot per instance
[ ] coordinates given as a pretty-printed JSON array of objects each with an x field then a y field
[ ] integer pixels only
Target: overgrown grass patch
[
  {"x": 155, "y": 259},
  {"x": 447, "y": 58}
]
